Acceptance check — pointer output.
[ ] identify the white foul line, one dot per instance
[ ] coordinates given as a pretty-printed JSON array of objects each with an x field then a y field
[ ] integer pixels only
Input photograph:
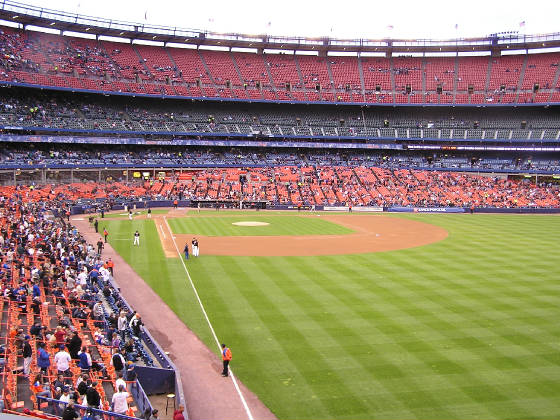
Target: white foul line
[
  {"x": 162, "y": 232},
  {"x": 247, "y": 409}
]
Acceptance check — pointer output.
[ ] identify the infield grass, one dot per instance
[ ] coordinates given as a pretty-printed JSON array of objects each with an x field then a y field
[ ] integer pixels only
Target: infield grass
[
  {"x": 277, "y": 226},
  {"x": 466, "y": 328}
]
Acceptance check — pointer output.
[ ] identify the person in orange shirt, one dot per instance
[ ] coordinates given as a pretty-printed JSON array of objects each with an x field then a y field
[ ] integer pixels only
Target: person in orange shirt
[
  {"x": 226, "y": 357},
  {"x": 15, "y": 331},
  {"x": 110, "y": 265}
]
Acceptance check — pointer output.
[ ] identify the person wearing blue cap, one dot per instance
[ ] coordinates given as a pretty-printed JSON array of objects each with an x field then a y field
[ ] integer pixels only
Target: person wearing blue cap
[
  {"x": 65, "y": 397},
  {"x": 27, "y": 354}
]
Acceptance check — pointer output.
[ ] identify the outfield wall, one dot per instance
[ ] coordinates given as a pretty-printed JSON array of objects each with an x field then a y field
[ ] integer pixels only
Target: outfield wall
[
  {"x": 522, "y": 210},
  {"x": 140, "y": 205}
]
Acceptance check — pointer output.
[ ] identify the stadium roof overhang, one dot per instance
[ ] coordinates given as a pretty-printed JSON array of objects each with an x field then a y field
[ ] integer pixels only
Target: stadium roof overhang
[{"x": 62, "y": 21}]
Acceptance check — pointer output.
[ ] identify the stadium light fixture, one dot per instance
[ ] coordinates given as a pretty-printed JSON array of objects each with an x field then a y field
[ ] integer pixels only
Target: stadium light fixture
[
  {"x": 53, "y": 23},
  {"x": 15, "y": 17}
]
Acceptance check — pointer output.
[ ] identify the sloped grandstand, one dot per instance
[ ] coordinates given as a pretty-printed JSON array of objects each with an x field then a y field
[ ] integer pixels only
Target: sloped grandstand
[
  {"x": 382, "y": 72},
  {"x": 93, "y": 64},
  {"x": 297, "y": 155},
  {"x": 90, "y": 123}
]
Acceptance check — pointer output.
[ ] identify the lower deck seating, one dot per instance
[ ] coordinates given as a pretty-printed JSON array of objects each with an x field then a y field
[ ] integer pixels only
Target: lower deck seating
[
  {"x": 57, "y": 296},
  {"x": 381, "y": 182}
]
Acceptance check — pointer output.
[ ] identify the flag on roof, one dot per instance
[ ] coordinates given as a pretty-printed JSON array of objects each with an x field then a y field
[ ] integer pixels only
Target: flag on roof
[
  {"x": 456, "y": 26},
  {"x": 521, "y": 24},
  {"x": 390, "y": 27}
]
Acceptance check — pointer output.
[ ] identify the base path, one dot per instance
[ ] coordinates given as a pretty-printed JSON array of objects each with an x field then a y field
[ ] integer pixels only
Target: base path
[
  {"x": 209, "y": 396},
  {"x": 372, "y": 233}
]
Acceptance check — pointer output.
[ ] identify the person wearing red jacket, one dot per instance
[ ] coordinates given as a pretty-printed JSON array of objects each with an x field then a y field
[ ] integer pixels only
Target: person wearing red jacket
[
  {"x": 226, "y": 357},
  {"x": 178, "y": 414}
]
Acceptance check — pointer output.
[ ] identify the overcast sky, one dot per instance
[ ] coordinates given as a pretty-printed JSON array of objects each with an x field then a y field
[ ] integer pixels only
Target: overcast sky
[{"x": 341, "y": 19}]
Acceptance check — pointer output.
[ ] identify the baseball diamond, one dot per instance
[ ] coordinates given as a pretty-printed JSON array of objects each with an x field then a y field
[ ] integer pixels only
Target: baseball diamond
[{"x": 371, "y": 234}]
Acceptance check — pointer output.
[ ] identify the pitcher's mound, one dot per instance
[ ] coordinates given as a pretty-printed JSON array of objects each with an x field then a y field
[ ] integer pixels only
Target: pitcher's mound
[{"x": 250, "y": 224}]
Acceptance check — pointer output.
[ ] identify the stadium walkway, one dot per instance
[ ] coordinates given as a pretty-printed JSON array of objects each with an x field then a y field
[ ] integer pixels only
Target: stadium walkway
[{"x": 209, "y": 396}]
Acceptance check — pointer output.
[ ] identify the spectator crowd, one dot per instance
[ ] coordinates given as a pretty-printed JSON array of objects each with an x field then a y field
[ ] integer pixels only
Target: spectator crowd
[{"x": 71, "y": 343}]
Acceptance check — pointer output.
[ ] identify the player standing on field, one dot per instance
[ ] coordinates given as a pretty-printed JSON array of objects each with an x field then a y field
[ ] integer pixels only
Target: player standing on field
[
  {"x": 137, "y": 238},
  {"x": 226, "y": 358},
  {"x": 195, "y": 247}
]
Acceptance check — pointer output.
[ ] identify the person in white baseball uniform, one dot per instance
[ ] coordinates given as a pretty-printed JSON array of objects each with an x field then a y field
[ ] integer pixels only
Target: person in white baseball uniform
[
  {"x": 137, "y": 238},
  {"x": 195, "y": 249}
]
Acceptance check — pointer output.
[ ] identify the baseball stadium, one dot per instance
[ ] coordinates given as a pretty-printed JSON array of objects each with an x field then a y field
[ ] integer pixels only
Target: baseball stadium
[{"x": 205, "y": 224}]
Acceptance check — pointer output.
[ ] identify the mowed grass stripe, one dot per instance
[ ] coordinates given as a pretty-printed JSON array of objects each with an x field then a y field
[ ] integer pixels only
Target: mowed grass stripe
[
  {"x": 462, "y": 328},
  {"x": 293, "y": 354},
  {"x": 278, "y": 226},
  {"x": 321, "y": 372},
  {"x": 374, "y": 363},
  {"x": 377, "y": 367},
  {"x": 285, "y": 332},
  {"x": 428, "y": 378}
]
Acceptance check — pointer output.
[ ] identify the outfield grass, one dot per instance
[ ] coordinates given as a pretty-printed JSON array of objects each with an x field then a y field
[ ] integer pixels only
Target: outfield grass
[
  {"x": 278, "y": 226},
  {"x": 466, "y": 328}
]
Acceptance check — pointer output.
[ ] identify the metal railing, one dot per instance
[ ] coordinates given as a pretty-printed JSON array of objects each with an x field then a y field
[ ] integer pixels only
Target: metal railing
[
  {"x": 102, "y": 26},
  {"x": 163, "y": 359},
  {"x": 142, "y": 401}
]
